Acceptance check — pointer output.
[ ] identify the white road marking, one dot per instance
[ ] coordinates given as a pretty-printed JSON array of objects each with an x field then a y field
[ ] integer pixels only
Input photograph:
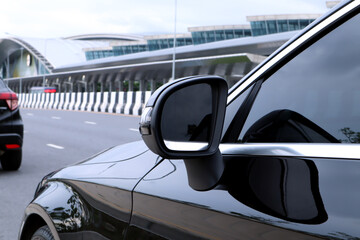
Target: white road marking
[
  {"x": 30, "y": 114},
  {"x": 57, "y": 118},
  {"x": 54, "y": 146},
  {"x": 88, "y": 122},
  {"x": 134, "y": 129}
]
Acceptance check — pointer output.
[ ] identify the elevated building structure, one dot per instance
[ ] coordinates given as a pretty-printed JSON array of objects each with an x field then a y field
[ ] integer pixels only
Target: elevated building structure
[
  {"x": 128, "y": 64},
  {"x": 259, "y": 25}
]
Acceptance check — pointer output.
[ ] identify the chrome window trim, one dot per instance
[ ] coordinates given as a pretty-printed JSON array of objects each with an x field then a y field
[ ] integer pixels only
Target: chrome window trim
[
  {"x": 299, "y": 150},
  {"x": 335, "y": 16}
]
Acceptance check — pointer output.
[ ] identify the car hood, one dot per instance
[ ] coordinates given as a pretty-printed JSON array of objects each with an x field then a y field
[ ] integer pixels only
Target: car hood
[{"x": 120, "y": 166}]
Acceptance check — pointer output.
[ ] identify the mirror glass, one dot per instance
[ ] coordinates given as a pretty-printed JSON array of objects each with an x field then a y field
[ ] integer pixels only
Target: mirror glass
[{"x": 186, "y": 118}]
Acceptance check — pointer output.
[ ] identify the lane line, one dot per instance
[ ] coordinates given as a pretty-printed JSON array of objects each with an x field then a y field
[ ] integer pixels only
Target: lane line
[
  {"x": 30, "y": 114},
  {"x": 54, "y": 146},
  {"x": 57, "y": 118},
  {"x": 134, "y": 129},
  {"x": 88, "y": 122}
]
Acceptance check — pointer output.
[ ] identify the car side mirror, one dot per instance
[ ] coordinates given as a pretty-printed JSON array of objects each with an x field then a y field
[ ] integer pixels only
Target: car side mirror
[{"x": 184, "y": 118}]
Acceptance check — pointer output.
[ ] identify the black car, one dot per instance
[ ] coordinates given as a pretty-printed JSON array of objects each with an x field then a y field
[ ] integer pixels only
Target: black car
[
  {"x": 11, "y": 129},
  {"x": 276, "y": 157}
]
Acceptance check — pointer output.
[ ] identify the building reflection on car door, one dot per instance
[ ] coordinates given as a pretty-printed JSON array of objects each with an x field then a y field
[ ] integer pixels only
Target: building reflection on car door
[{"x": 282, "y": 187}]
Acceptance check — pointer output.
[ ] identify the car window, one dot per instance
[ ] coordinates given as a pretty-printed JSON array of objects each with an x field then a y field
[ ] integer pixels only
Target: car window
[{"x": 314, "y": 97}]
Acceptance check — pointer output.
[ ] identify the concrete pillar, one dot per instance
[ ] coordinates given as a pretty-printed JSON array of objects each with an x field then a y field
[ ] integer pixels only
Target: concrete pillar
[
  {"x": 31, "y": 84},
  {"x": 131, "y": 85},
  {"x": 111, "y": 86},
  {"x": 70, "y": 83},
  {"x": 101, "y": 85},
  {"x": 84, "y": 81},
  {"x": 98, "y": 95},
  {"x": 25, "y": 87},
  {"x": 121, "y": 85},
  {"x": 152, "y": 85},
  {"x": 117, "y": 78},
  {"x": 93, "y": 84},
  {"x": 112, "y": 82},
  {"x": 64, "y": 87},
  {"x": 87, "y": 82},
  {"x": 81, "y": 83},
  {"x": 101, "y": 80},
  {"x": 78, "y": 87},
  {"x": 142, "y": 86},
  {"x": 58, "y": 86},
  {"x": 108, "y": 82}
]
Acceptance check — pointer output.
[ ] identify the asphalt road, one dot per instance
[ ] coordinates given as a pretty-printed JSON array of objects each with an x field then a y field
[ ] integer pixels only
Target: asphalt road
[{"x": 54, "y": 139}]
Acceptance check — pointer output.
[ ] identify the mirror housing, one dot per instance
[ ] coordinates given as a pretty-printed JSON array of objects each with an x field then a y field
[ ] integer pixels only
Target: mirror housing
[{"x": 184, "y": 118}]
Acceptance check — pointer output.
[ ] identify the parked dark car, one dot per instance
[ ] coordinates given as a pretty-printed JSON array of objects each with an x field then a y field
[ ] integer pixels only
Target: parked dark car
[
  {"x": 276, "y": 157},
  {"x": 11, "y": 129}
]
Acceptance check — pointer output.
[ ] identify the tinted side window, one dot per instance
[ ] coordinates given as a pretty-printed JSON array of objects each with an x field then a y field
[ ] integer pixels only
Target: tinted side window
[{"x": 313, "y": 98}]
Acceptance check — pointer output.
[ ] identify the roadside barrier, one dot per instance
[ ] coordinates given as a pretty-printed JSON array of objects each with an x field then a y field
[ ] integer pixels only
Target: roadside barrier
[
  {"x": 111, "y": 108},
  {"x": 26, "y": 100},
  {"x": 78, "y": 101},
  {"x": 20, "y": 97},
  {"x": 137, "y": 103},
  {"x": 97, "y": 102},
  {"x": 121, "y": 103},
  {"x": 34, "y": 100},
  {"x": 56, "y": 101},
  {"x": 66, "y": 101},
  {"x": 51, "y": 101},
  {"x": 104, "y": 102},
  {"x": 90, "y": 106},
  {"x": 38, "y": 101},
  {"x": 130, "y": 103},
  {"x": 130, "y": 100},
  {"x": 84, "y": 101},
  {"x": 61, "y": 101},
  {"x": 46, "y": 102},
  {"x": 72, "y": 101},
  {"x": 41, "y": 102},
  {"x": 29, "y": 104}
]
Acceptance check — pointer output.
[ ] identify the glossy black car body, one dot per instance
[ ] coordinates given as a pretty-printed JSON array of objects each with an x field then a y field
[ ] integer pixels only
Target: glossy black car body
[
  {"x": 289, "y": 159},
  {"x": 11, "y": 129}
]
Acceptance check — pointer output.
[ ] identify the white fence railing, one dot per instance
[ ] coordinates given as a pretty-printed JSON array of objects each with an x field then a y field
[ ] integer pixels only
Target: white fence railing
[{"x": 131, "y": 103}]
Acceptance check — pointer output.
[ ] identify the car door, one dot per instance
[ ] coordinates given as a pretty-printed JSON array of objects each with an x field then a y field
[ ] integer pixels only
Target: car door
[
  {"x": 290, "y": 149},
  {"x": 166, "y": 207}
]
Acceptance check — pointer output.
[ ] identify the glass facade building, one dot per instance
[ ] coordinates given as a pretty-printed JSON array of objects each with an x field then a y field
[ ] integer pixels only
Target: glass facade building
[
  {"x": 259, "y": 25},
  {"x": 157, "y": 44},
  {"x": 128, "y": 49},
  {"x": 151, "y": 44},
  {"x": 206, "y": 36},
  {"x": 95, "y": 54},
  {"x": 265, "y": 27}
]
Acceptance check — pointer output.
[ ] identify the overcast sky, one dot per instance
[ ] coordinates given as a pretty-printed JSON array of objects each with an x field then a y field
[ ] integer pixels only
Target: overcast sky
[{"x": 62, "y": 18}]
